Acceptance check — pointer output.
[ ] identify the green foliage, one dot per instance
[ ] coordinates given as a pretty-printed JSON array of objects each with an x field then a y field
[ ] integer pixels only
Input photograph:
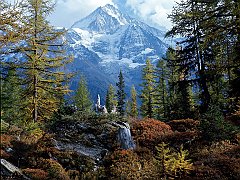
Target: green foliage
[
  {"x": 147, "y": 93},
  {"x": 172, "y": 164},
  {"x": 111, "y": 101},
  {"x": 214, "y": 126},
  {"x": 126, "y": 164},
  {"x": 44, "y": 58},
  {"x": 11, "y": 96},
  {"x": 10, "y": 15},
  {"x": 161, "y": 93},
  {"x": 209, "y": 55},
  {"x": 121, "y": 95},
  {"x": 133, "y": 111},
  {"x": 82, "y": 97},
  {"x": 4, "y": 126}
]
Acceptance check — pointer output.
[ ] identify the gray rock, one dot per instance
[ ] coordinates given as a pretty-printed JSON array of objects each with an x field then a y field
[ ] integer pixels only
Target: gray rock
[{"x": 9, "y": 170}]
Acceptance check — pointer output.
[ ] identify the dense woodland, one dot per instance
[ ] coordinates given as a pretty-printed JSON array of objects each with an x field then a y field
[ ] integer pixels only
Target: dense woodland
[{"x": 186, "y": 126}]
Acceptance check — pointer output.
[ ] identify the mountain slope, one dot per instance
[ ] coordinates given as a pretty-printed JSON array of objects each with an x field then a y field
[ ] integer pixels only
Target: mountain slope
[{"x": 106, "y": 41}]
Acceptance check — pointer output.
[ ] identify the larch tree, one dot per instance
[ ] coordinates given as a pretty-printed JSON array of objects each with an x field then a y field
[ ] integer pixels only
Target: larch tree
[
  {"x": 192, "y": 57},
  {"x": 210, "y": 48},
  {"x": 11, "y": 33},
  {"x": 148, "y": 90},
  {"x": 133, "y": 103},
  {"x": 121, "y": 95},
  {"x": 44, "y": 59},
  {"x": 111, "y": 101},
  {"x": 82, "y": 97}
]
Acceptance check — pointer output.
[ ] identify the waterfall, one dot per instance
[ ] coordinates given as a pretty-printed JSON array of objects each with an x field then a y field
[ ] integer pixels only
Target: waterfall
[{"x": 124, "y": 136}]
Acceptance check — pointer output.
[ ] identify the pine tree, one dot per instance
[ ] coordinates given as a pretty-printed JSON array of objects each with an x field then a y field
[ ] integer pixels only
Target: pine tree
[
  {"x": 121, "y": 95},
  {"x": 133, "y": 103},
  {"x": 44, "y": 59},
  {"x": 147, "y": 93},
  {"x": 82, "y": 96},
  {"x": 111, "y": 101}
]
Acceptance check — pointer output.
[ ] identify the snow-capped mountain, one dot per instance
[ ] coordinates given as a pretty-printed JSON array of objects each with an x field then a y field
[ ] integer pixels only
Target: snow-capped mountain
[
  {"x": 105, "y": 19},
  {"x": 105, "y": 42}
]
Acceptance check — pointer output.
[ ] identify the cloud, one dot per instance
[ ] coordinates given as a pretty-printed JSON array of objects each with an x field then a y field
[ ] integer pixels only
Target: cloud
[
  {"x": 69, "y": 11},
  {"x": 153, "y": 11}
]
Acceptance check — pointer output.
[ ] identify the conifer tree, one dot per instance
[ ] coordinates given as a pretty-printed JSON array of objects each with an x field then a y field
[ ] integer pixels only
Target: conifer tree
[
  {"x": 11, "y": 32},
  {"x": 121, "y": 95},
  {"x": 82, "y": 96},
  {"x": 128, "y": 108},
  {"x": 111, "y": 101},
  {"x": 161, "y": 94},
  {"x": 192, "y": 57},
  {"x": 44, "y": 59},
  {"x": 211, "y": 47},
  {"x": 148, "y": 88},
  {"x": 133, "y": 103},
  {"x": 11, "y": 96}
]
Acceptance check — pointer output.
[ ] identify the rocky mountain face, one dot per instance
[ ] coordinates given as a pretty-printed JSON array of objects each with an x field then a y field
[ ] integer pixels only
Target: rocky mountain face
[{"x": 105, "y": 42}]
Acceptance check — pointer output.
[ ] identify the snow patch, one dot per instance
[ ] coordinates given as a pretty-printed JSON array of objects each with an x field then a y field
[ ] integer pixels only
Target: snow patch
[{"x": 147, "y": 50}]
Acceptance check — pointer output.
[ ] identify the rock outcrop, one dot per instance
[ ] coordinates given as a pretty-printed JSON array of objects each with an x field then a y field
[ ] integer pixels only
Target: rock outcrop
[{"x": 8, "y": 170}]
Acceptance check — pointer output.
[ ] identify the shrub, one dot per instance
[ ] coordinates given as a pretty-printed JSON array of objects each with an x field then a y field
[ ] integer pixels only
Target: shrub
[
  {"x": 126, "y": 164},
  {"x": 149, "y": 132},
  {"x": 218, "y": 160},
  {"x": 5, "y": 141},
  {"x": 4, "y": 154},
  {"x": 54, "y": 169},
  {"x": 177, "y": 138},
  {"x": 183, "y": 125},
  {"x": 4, "y": 127},
  {"x": 36, "y": 174},
  {"x": 172, "y": 164}
]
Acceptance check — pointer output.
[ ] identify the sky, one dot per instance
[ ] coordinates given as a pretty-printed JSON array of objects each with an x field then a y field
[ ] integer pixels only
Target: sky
[{"x": 152, "y": 12}]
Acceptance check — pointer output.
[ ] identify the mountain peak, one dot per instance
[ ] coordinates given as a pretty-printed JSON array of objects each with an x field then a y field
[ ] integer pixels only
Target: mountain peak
[
  {"x": 106, "y": 19},
  {"x": 109, "y": 6}
]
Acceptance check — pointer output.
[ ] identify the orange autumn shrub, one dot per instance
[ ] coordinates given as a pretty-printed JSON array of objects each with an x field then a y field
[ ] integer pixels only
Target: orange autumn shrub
[
  {"x": 149, "y": 132},
  {"x": 36, "y": 174},
  {"x": 5, "y": 141},
  {"x": 4, "y": 154},
  {"x": 218, "y": 160},
  {"x": 178, "y": 138},
  {"x": 54, "y": 169},
  {"x": 183, "y": 125}
]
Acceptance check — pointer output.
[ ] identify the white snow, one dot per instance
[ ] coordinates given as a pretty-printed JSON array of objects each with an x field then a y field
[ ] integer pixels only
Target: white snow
[
  {"x": 147, "y": 50},
  {"x": 115, "y": 13}
]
